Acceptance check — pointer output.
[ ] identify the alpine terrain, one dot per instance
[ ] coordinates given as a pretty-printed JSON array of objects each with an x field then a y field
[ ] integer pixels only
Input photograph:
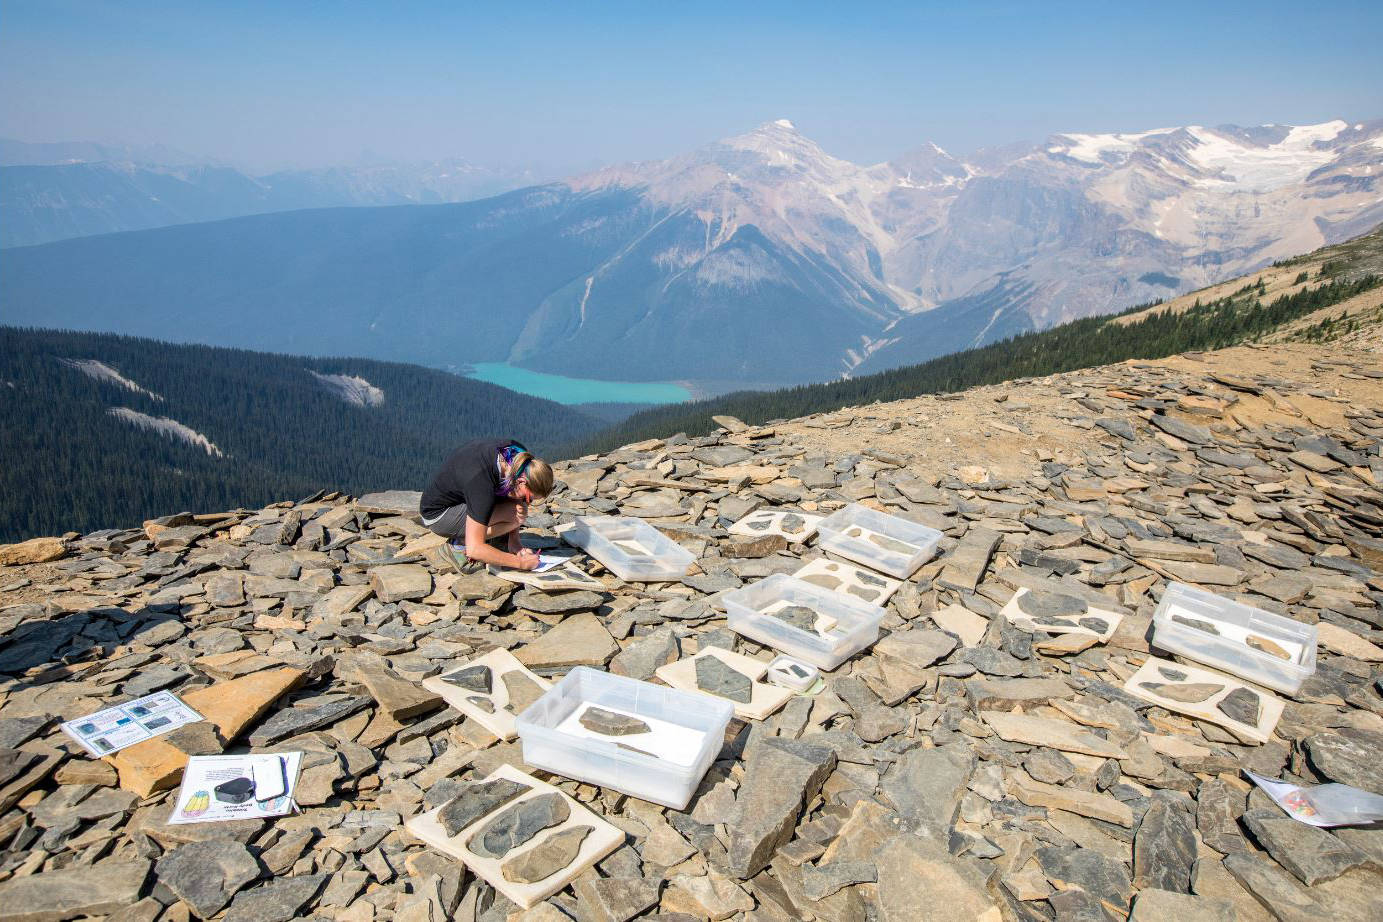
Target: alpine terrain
[{"x": 756, "y": 260}]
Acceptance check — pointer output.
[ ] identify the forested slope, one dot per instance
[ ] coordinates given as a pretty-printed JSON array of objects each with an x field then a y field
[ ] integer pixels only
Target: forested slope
[{"x": 279, "y": 431}]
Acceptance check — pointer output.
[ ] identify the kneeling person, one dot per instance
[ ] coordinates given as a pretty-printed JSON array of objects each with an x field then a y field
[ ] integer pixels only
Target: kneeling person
[{"x": 480, "y": 498}]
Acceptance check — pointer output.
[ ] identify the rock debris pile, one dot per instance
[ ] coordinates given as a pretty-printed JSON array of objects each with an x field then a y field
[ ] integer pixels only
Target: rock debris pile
[{"x": 960, "y": 762}]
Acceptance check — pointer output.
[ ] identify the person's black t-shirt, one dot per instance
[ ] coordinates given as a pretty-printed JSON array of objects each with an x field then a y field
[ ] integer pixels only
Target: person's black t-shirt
[{"x": 470, "y": 476}]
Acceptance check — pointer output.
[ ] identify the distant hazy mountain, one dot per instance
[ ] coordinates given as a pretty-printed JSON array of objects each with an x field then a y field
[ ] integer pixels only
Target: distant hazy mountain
[
  {"x": 758, "y": 259},
  {"x": 57, "y": 191}
]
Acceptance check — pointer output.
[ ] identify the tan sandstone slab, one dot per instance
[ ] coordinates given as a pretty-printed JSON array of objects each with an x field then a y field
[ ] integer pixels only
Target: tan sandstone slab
[
  {"x": 580, "y": 640},
  {"x": 961, "y": 621},
  {"x": 1056, "y": 734},
  {"x": 1035, "y": 793}
]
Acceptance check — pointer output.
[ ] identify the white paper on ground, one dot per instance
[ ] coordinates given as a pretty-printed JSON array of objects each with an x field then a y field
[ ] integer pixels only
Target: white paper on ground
[
  {"x": 113, "y": 728},
  {"x": 199, "y": 801},
  {"x": 1322, "y": 804}
]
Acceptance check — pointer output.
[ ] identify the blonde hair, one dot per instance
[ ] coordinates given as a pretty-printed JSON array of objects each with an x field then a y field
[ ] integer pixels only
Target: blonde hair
[
  {"x": 534, "y": 471},
  {"x": 539, "y": 477}
]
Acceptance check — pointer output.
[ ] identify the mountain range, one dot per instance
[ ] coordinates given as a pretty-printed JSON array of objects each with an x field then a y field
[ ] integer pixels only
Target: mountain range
[
  {"x": 756, "y": 260},
  {"x": 58, "y": 191}
]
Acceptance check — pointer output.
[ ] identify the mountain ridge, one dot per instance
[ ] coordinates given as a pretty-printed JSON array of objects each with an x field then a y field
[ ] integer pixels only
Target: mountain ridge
[{"x": 756, "y": 258}]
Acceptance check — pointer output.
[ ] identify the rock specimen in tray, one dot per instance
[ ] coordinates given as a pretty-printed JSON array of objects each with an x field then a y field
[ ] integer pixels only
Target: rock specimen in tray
[
  {"x": 609, "y": 723},
  {"x": 1267, "y": 646},
  {"x": 1051, "y": 605},
  {"x": 799, "y": 616},
  {"x": 1196, "y": 623},
  {"x": 522, "y": 690},
  {"x": 518, "y": 824},
  {"x": 1093, "y": 623},
  {"x": 1189, "y": 692},
  {"x": 792, "y": 523},
  {"x": 480, "y": 701},
  {"x": 1241, "y": 705},
  {"x": 472, "y": 678},
  {"x": 477, "y": 799},
  {"x": 547, "y": 857},
  {"x": 717, "y": 678},
  {"x": 1175, "y": 675}
]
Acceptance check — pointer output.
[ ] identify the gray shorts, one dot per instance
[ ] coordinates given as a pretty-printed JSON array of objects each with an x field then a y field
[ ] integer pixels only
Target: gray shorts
[{"x": 449, "y": 523}]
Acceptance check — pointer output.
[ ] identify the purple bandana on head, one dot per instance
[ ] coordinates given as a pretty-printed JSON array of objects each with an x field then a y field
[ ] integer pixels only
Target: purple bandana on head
[{"x": 504, "y": 461}]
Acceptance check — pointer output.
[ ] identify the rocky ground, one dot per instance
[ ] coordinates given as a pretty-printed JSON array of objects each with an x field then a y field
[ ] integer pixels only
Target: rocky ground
[{"x": 960, "y": 765}]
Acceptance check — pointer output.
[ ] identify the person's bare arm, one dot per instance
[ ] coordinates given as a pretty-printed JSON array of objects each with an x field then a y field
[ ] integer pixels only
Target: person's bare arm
[{"x": 477, "y": 549}]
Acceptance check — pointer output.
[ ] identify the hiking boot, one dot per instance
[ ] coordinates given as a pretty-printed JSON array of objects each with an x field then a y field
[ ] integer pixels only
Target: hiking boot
[{"x": 456, "y": 555}]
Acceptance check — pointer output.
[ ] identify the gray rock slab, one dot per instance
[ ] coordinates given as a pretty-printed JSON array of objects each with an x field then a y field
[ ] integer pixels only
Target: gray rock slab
[
  {"x": 925, "y": 788},
  {"x": 1349, "y": 756},
  {"x": 556, "y": 603},
  {"x": 920, "y": 879},
  {"x": 292, "y": 721},
  {"x": 1311, "y": 854},
  {"x": 782, "y": 775},
  {"x": 206, "y": 875},
  {"x": 966, "y": 564},
  {"x": 1099, "y": 876},
  {"x": 641, "y": 659},
  {"x": 277, "y": 901},
  {"x": 1164, "y": 905},
  {"x": 1164, "y": 846},
  {"x": 83, "y": 890},
  {"x": 615, "y": 899}
]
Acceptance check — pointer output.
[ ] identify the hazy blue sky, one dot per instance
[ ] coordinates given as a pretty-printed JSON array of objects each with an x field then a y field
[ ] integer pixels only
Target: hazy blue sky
[{"x": 575, "y": 84}]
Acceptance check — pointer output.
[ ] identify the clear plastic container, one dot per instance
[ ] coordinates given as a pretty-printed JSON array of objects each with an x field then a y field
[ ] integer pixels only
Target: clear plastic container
[
  {"x": 1229, "y": 649},
  {"x": 856, "y": 623},
  {"x": 863, "y": 535},
  {"x": 663, "y": 766},
  {"x": 631, "y": 548}
]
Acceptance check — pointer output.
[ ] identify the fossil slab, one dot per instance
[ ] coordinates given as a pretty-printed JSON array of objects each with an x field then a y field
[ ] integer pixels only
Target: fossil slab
[
  {"x": 1198, "y": 624},
  {"x": 1267, "y": 646},
  {"x": 1201, "y": 695},
  {"x": 546, "y": 858},
  {"x": 522, "y": 689},
  {"x": 472, "y": 678},
  {"x": 837, "y": 576},
  {"x": 1241, "y": 705},
  {"x": 496, "y": 709},
  {"x": 477, "y": 799},
  {"x": 1055, "y": 612},
  {"x": 798, "y": 616},
  {"x": 1186, "y": 692},
  {"x": 609, "y": 723},
  {"x": 517, "y": 824},
  {"x": 600, "y": 839},
  {"x": 1051, "y": 604},
  {"x": 715, "y": 677},
  {"x": 764, "y": 698},
  {"x": 796, "y": 527}
]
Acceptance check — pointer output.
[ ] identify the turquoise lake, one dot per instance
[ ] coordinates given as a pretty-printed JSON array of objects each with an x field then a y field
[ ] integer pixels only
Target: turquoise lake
[{"x": 577, "y": 390}]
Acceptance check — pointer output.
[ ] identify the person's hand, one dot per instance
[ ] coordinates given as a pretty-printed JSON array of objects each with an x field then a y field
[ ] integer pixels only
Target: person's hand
[{"x": 528, "y": 560}]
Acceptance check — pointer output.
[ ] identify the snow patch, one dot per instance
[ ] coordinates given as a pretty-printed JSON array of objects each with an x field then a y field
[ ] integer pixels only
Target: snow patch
[
  {"x": 784, "y": 123},
  {"x": 168, "y": 428},
  {"x": 100, "y": 371},
  {"x": 352, "y": 389},
  {"x": 1263, "y": 168},
  {"x": 1091, "y": 148}
]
